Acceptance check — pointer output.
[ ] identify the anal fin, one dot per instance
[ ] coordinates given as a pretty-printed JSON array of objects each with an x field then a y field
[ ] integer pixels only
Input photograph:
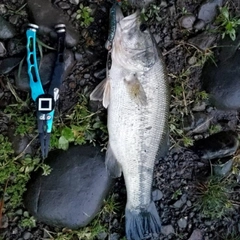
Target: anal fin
[{"x": 113, "y": 166}]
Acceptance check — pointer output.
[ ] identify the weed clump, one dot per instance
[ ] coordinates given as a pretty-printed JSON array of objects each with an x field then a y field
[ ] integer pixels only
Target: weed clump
[{"x": 214, "y": 201}]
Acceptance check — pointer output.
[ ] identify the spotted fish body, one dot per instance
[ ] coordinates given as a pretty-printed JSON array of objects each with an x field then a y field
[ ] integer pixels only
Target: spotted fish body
[{"x": 137, "y": 96}]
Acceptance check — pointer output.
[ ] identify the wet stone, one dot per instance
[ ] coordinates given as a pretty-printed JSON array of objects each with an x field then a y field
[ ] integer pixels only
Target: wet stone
[
  {"x": 14, "y": 19},
  {"x": 3, "y": 9},
  {"x": 157, "y": 195},
  {"x": 203, "y": 40},
  {"x": 208, "y": 10},
  {"x": 114, "y": 236},
  {"x": 199, "y": 24},
  {"x": 196, "y": 235},
  {"x": 7, "y": 30},
  {"x": 182, "y": 222},
  {"x": 15, "y": 46},
  {"x": 73, "y": 193},
  {"x": 101, "y": 74},
  {"x": 27, "y": 235},
  {"x": 197, "y": 123},
  {"x": 167, "y": 230},
  {"x": 187, "y": 21},
  {"x": 64, "y": 5},
  {"x": 76, "y": 2},
  {"x": 222, "y": 83},
  {"x": 8, "y": 64},
  {"x": 218, "y": 145},
  {"x": 44, "y": 14}
]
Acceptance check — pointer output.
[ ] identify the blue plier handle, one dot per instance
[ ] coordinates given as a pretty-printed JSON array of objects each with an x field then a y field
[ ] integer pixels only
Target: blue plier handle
[{"x": 45, "y": 99}]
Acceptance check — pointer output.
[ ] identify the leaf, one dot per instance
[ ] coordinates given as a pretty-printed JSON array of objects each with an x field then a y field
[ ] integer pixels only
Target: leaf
[
  {"x": 68, "y": 134},
  {"x": 63, "y": 143},
  {"x": 225, "y": 12}
]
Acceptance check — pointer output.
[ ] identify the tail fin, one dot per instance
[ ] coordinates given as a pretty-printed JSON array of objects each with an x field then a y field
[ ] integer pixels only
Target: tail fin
[{"x": 142, "y": 223}]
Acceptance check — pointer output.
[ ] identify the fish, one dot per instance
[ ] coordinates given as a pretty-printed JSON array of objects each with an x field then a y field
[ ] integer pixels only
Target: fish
[{"x": 136, "y": 95}]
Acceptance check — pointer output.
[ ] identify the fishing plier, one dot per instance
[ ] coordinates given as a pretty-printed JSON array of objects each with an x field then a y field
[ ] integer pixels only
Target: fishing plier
[{"x": 45, "y": 97}]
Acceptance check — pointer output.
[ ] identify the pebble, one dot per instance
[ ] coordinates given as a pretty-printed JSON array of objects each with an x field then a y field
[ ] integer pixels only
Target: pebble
[
  {"x": 208, "y": 10},
  {"x": 178, "y": 204},
  {"x": 78, "y": 56},
  {"x": 192, "y": 60},
  {"x": 15, "y": 231},
  {"x": 15, "y": 46},
  {"x": 75, "y": 2},
  {"x": 189, "y": 203},
  {"x": 64, "y": 5},
  {"x": 27, "y": 235},
  {"x": 167, "y": 230},
  {"x": 14, "y": 19},
  {"x": 187, "y": 21},
  {"x": 157, "y": 195},
  {"x": 196, "y": 235},
  {"x": 182, "y": 222},
  {"x": 114, "y": 236},
  {"x": 199, "y": 24},
  {"x": 3, "y": 9},
  {"x": 7, "y": 30},
  {"x": 101, "y": 74},
  {"x": 86, "y": 75}
]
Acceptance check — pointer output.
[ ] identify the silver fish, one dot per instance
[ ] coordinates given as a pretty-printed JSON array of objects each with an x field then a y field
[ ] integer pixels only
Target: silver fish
[{"x": 136, "y": 93}]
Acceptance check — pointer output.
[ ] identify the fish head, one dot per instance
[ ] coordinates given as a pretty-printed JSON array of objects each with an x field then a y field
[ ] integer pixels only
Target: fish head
[{"x": 133, "y": 45}]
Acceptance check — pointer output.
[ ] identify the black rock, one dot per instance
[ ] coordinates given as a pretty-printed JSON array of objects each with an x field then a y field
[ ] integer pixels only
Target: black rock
[
  {"x": 8, "y": 64},
  {"x": 7, "y": 30},
  {"x": 46, "y": 16},
  {"x": 73, "y": 193},
  {"x": 197, "y": 123},
  {"x": 187, "y": 21},
  {"x": 203, "y": 40},
  {"x": 16, "y": 46},
  {"x": 222, "y": 82},
  {"x": 208, "y": 10},
  {"x": 218, "y": 145}
]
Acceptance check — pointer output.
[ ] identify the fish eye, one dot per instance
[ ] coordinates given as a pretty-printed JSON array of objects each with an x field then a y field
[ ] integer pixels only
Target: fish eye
[{"x": 143, "y": 27}]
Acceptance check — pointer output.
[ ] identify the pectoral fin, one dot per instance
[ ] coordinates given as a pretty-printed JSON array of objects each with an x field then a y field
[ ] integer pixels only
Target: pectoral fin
[
  {"x": 113, "y": 166},
  {"x": 102, "y": 93},
  {"x": 136, "y": 90}
]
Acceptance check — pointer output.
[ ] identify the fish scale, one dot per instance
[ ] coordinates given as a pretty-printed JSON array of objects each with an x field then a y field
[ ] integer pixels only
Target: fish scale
[{"x": 134, "y": 146}]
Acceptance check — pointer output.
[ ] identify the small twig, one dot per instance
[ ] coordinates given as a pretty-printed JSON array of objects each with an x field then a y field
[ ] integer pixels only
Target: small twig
[
  {"x": 171, "y": 50},
  {"x": 22, "y": 153},
  {"x": 11, "y": 88}
]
